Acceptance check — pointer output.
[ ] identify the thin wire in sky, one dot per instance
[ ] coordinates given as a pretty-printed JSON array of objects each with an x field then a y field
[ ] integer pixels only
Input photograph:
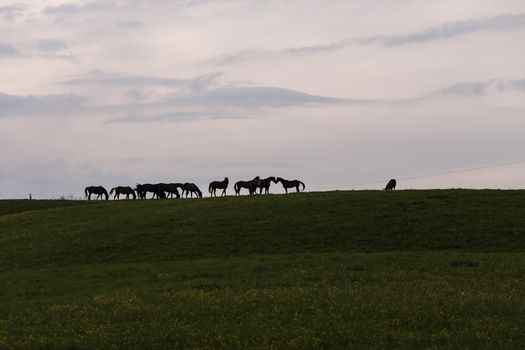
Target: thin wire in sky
[{"x": 459, "y": 171}]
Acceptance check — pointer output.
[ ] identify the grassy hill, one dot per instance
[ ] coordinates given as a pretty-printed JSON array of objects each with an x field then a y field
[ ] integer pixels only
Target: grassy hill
[{"x": 368, "y": 269}]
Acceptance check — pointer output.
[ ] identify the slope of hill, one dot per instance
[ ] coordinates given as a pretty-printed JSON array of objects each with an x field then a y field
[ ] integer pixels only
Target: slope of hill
[{"x": 336, "y": 269}]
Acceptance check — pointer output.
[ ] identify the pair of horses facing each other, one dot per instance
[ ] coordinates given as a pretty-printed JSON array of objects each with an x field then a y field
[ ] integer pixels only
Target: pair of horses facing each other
[{"x": 264, "y": 184}]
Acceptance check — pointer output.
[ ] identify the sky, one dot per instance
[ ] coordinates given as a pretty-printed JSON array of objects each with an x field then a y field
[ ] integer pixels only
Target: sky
[{"x": 339, "y": 94}]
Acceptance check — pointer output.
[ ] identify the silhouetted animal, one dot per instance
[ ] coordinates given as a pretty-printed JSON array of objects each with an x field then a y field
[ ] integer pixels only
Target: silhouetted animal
[
  {"x": 290, "y": 184},
  {"x": 172, "y": 189},
  {"x": 122, "y": 190},
  {"x": 250, "y": 185},
  {"x": 98, "y": 190},
  {"x": 391, "y": 185},
  {"x": 156, "y": 189},
  {"x": 265, "y": 184},
  {"x": 191, "y": 188},
  {"x": 221, "y": 185}
]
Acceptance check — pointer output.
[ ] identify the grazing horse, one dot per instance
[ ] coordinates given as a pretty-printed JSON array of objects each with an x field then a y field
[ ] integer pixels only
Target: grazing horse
[
  {"x": 156, "y": 189},
  {"x": 250, "y": 185},
  {"x": 391, "y": 185},
  {"x": 191, "y": 188},
  {"x": 265, "y": 184},
  {"x": 172, "y": 189},
  {"x": 122, "y": 190},
  {"x": 98, "y": 190},
  {"x": 290, "y": 183},
  {"x": 221, "y": 185}
]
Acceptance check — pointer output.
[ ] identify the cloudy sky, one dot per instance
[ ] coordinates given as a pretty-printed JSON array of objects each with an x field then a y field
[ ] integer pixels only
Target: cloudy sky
[{"x": 340, "y": 94}]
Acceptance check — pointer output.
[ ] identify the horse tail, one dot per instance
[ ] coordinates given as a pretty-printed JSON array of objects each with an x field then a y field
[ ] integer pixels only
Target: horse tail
[
  {"x": 133, "y": 194},
  {"x": 112, "y": 190},
  {"x": 210, "y": 187},
  {"x": 86, "y": 192},
  {"x": 302, "y": 183}
]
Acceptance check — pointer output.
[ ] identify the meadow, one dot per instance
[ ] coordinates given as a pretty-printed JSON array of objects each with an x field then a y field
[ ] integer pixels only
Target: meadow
[{"x": 345, "y": 269}]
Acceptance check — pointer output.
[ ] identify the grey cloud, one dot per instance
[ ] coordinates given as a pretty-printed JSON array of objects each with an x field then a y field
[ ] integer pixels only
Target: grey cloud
[
  {"x": 132, "y": 24},
  {"x": 97, "y": 6},
  {"x": 445, "y": 31},
  {"x": 12, "y": 105},
  {"x": 449, "y": 30},
  {"x": 255, "y": 97},
  {"x": 71, "y": 8},
  {"x": 7, "y": 50},
  {"x": 100, "y": 78},
  {"x": 222, "y": 103},
  {"x": 51, "y": 45},
  {"x": 10, "y": 12},
  {"x": 480, "y": 88},
  {"x": 233, "y": 102},
  {"x": 176, "y": 116}
]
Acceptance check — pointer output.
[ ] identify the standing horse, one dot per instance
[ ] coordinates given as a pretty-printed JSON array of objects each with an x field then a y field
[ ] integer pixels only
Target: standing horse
[
  {"x": 265, "y": 184},
  {"x": 122, "y": 190},
  {"x": 172, "y": 189},
  {"x": 391, "y": 185},
  {"x": 98, "y": 190},
  {"x": 290, "y": 184},
  {"x": 221, "y": 185},
  {"x": 191, "y": 188},
  {"x": 250, "y": 185},
  {"x": 157, "y": 190}
]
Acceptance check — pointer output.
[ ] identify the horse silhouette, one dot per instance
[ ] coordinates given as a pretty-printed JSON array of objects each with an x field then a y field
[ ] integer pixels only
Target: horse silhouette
[
  {"x": 191, "y": 188},
  {"x": 290, "y": 184},
  {"x": 172, "y": 189},
  {"x": 122, "y": 190},
  {"x": 391, "y": 185},
  {"x": 98, "y": 190},
  {"x": 156, "y": 189},
  {"x": 221, "y": 185},
  {"x": 250, "y": 185},
  {"x": 265, "y": 184}
]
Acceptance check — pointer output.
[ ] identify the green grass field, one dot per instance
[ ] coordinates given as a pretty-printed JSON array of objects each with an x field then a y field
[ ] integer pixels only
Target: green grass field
[{"x": 358, "y": 269}]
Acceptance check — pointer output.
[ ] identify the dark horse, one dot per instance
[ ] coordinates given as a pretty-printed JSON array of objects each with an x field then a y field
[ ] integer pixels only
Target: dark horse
[
  {"x": 191, "y": 188},
  {"x": 221, "y": 185},
  {"x": 122, "y": 190},
  {"x": 391, "y": 185},
  {"x": 265, "y": 184},
  {"x": 98, "y": 190},
  {"x": 290, "y": 184},
  {"x": 172, "y": 189},
  {"x": 156, "y": 189},
  {"x": 250, "y": 185}
]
